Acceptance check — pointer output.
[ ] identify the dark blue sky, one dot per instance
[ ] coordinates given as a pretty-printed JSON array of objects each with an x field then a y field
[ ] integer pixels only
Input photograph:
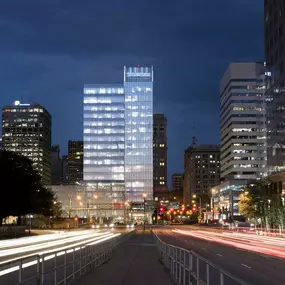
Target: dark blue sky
[{"x": 50, "y": 48}]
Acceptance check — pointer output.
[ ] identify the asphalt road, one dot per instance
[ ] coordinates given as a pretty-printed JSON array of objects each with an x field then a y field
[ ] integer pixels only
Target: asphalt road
[{"x": 253, "y": 268}]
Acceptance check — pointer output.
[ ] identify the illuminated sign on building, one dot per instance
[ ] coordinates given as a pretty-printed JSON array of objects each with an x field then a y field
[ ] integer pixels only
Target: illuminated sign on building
[
  {"x": 138, "y": 74},
  {"x": 18, "y": 103}
]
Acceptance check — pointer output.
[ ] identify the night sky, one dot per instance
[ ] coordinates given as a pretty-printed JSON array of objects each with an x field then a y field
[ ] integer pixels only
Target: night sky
[{"x": 50, "y": 48}]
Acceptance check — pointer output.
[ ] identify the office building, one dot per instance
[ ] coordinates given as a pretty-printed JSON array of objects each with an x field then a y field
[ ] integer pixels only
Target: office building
[
  {"x": 201, "y": 172},
  {"x": 64, "y": 161},
  {"x": 75, "y": 161},
  {"x": 242, "y": 122},
  {"x": 177, "y": 182},
  {"x": 138, "y": 85},
  {"x": 56, "y": 165},
  {"x": 176, "y": 192},
  {"x": 118, "y": 144},
  {"x": 26, "y": 130},
  {"x": 160, "y": 188},
  {"x": 1, "y": 143},
  {"x": 104, "y": 146},
  {"x": 274, "y": 20}
]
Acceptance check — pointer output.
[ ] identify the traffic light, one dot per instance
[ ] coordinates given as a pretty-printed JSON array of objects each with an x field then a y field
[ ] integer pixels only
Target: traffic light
[
  {"x": 161, "y": 209},
  {"x": 194, "y": 209}
]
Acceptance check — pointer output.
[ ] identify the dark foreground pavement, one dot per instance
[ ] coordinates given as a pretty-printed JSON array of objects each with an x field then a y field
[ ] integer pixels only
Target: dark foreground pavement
[{"x": 136, "y": 261}]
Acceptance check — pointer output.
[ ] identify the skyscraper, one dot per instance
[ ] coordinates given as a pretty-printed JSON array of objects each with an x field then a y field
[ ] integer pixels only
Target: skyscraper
[
  {"x": 201, "y": 172},
  {"x": 56, "y": 165},
  {"x": 75, "y": 161},
  {"x": 26, "y": 129},
  {"x": 274, "y": 19},
  {"x": 138, "y": 84},
  {"x": 242, "y": 122},
  {"x": 160, "y": 188},
  {"x": 104, "y": 142}
]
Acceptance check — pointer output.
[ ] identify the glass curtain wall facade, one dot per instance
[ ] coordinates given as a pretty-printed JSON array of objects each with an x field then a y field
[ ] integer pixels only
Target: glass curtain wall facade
[
  {"x": 138, "y": 83},
  {"x": 104, "y": 138}
]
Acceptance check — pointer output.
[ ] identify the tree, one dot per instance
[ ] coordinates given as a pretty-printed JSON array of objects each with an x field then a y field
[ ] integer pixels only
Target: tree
[
  {"x": 246, "y": 205},
  {"x": 23, "y": 192}
]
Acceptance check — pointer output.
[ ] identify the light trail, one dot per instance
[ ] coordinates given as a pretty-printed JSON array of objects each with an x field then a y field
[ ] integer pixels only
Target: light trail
[
  {"x": 41, "y": 246},
  {"x": 40, "y": 238},
  {"x": 61, "y": 251},
  {"x": 239, "y": 241}
]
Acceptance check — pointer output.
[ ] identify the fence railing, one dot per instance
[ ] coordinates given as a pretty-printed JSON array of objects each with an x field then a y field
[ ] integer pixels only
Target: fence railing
[
  {"x": 11, "y": 230},
  {"x": 188, "y": 268},
  {"x": 59, "y": 267}
]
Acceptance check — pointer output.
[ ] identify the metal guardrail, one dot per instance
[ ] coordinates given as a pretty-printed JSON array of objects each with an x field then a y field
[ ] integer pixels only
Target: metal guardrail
[
  {"x": 188, "y": 268},
  {"x": 59, "y": 267}
]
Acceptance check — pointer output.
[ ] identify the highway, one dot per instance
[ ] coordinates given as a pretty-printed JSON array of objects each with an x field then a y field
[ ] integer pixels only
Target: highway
[
  {"x": 29, "y": 247},
  {"x": 254, "y": 259}
]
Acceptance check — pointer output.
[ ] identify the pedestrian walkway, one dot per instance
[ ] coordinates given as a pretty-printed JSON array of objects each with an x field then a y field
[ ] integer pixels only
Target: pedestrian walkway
[{"x": 135, "y": 262}]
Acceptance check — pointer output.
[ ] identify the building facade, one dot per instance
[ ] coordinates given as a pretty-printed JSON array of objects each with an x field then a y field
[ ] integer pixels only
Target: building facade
[
  {"x": 242, "y": 122},
  {"x": 26, "y": 130},
  {"x": 75, "y": 161},
  {"x": 56, "y": 165},
  {"x": 177, "y": 182},
  {"x": 64, "y": 161},
  {"x": 160, "y": 187},
  {"x": 176, "y": 193},
  {"x": 201, "y": 172},
  {"x": 274, "y": 21},
  {"x": 138, "y": 85}
]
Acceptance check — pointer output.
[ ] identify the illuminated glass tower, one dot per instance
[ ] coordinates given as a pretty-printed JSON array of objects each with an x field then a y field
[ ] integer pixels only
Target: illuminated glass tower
[
  {"x": 138, "y": 84},
  {"x": 104, "y": 138}
]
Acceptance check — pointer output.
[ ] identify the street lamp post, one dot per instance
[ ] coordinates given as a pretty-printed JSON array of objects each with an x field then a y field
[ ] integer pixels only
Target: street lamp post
[
  {"x": 69, "y": 213},
  {"x": 200, "y": 206},
  {"x": 144, "y": 196},
  {"x": 213, "y": 203}
]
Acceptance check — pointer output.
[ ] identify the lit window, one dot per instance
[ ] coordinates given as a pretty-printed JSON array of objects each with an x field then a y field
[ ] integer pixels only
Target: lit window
[
  {"x": 161, "y": 182},
  {"x": 161, "y": 145},
  {"x": 161, "y": 178},
  {"x": 161, "y": 163}
]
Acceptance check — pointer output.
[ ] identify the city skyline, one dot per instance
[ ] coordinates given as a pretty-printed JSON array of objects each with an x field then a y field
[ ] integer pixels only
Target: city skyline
[{"x": 54, "y": 72}]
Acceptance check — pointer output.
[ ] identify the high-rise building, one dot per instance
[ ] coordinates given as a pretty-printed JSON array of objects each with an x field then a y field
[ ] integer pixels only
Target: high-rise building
[
  {"x": 118, "y": 144},
  {"x": 75, "y": 161},
  {"x": 64, "y": 161},
  {"x": 26, "y": 130},
  {"x": 201, "y": 172},
  {"x": 159, "y": 155},
  {"x": 104, "y": 142},
  {"x": 56, "y": 165},
  {"x": 176, "y": 193},
  {"x": 138, "y": 84},
  {"x": 274, "y": 20},
  {"x": 177, "y": 182},
  {"x": 242, "y": 122},
  {"x": 1, "y": 143}
]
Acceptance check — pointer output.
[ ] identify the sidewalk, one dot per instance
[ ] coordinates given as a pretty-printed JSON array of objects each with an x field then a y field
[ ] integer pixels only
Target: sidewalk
[{"x": 135, "y": 261}]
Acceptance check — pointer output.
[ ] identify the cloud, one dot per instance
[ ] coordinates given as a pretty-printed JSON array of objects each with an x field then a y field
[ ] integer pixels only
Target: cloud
[{"x": 50, "y": 49}]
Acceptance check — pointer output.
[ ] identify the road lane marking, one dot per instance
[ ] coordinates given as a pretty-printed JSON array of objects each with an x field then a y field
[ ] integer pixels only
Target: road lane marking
[
  {"x": 219, "y": 254},
  {"x": 245, "y": 265}
]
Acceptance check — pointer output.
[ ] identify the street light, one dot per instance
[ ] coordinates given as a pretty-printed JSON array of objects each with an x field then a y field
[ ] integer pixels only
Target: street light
[
  {"x": 144, "y": 196},
  {"x": 213, "y": 192}
]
